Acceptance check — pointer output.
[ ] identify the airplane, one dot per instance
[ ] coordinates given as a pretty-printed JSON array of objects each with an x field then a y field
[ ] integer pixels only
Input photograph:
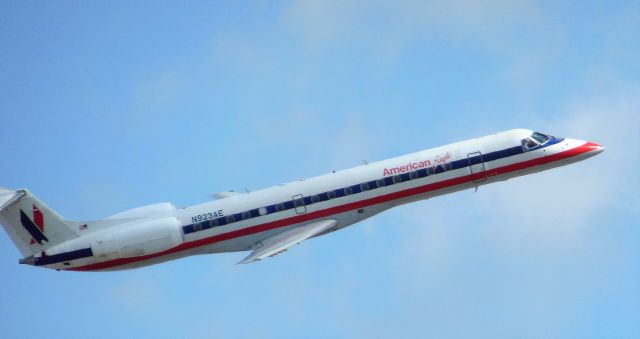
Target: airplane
[{"x": 269, "y": 221}]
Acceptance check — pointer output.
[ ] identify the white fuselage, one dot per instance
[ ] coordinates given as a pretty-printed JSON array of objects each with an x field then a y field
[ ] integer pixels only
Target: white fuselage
[{"x": 237, "y": 222}]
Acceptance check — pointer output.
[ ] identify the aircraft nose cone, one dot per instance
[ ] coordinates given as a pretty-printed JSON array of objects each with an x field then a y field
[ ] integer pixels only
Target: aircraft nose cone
[{"x": 593, "y": 148}]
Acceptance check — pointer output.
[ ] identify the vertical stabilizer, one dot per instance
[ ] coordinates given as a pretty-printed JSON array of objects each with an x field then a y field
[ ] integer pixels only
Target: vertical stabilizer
[{"x": 32, "y": 225}]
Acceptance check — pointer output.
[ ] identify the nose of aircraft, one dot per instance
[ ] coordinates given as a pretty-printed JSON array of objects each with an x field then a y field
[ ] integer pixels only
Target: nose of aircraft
[{"x": 592, "y": 148}]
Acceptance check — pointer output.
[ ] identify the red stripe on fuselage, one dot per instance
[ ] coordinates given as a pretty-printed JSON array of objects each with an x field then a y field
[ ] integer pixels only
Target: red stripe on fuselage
[{"x": 344, "y": 208}]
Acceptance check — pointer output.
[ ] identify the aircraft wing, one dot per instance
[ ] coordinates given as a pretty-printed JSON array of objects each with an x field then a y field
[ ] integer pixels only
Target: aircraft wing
[
  {"x": 280, "y": 242},
  {"x": 224, "y": 195}
]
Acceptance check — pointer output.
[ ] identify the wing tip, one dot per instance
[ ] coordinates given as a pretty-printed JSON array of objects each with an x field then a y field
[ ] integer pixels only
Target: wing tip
[{"x": 247, "y": 260}]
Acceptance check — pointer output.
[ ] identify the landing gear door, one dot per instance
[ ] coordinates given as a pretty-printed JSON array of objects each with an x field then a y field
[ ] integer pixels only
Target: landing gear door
[{"x": 476, "y": 166}]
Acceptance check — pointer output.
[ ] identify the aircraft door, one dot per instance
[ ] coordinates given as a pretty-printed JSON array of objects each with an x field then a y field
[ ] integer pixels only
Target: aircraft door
[
  {"x": 298, "y": 204},
  {"x": 476, "y": 165}
]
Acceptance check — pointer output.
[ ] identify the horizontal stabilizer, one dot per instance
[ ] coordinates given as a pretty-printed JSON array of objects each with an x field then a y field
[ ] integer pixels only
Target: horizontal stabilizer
[{"x": 280, "y": 242}]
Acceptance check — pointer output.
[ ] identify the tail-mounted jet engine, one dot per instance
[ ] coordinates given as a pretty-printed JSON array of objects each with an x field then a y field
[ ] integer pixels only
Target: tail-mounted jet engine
[{"x": 147, "y": 237}]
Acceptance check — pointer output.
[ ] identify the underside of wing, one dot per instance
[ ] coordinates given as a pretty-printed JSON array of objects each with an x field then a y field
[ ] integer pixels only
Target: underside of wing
[{"x": 280, "y": 242}]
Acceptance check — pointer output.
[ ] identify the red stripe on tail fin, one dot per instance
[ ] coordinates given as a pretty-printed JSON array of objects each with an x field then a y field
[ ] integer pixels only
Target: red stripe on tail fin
[{"x": 38, "y": 219}]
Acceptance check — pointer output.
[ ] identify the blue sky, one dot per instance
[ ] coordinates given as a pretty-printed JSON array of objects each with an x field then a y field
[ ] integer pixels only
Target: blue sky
[{"x": 107, "y": 106}]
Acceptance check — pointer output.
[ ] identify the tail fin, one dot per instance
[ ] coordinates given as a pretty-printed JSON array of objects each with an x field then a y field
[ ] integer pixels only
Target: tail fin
[{"x": 32, "y": 225}]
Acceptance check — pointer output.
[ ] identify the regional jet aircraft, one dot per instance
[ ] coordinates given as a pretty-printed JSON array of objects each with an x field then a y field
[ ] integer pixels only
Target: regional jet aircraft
[{"x": 269, "y": 221}]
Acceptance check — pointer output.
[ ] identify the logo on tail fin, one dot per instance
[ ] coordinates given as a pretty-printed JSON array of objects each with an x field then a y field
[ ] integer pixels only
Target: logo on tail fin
[{"x": 35, "y": 227}]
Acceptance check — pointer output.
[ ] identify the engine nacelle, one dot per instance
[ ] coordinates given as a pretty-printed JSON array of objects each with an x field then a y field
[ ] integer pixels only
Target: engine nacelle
[
  {"x": 145, "y": 211},
  {"x": 139, "y": 239}
]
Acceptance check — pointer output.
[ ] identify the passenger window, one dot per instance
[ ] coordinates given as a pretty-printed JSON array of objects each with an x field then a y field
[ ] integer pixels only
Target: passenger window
[
  {"x": 230, "y": 219},
  {"x": 262, "y": 211},
  {"x": 380, "y": 182},
  {"x": 246, "y": 215},
  {"x": 331, "y": 194},
  {"x": 413, "y": 175},
  {"x": 430, "y": 171},
  {"x": 348, "y": 190},
  {"x": 315, "y": 199},
  {"x": 397, "y": 179},
  {"x": 214, "y": 222},
  {"x": 364, "y": 186},
  {"x": 280, "y": 207}
]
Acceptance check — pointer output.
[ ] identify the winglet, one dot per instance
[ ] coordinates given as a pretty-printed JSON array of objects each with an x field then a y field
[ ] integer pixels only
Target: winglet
[{"x": 281, "y": 241}]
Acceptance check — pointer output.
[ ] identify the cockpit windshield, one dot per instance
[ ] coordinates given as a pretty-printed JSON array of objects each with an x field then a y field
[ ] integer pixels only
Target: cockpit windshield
[
  {"x": 528, "y": 144},
  {"x": 540, "y": 138}
]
